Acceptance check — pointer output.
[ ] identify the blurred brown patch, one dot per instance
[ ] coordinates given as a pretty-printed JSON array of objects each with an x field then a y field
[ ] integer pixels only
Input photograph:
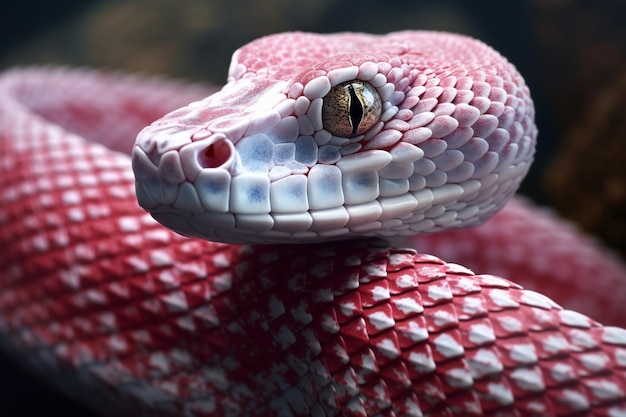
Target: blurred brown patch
[{"x": 582, "y": 57}]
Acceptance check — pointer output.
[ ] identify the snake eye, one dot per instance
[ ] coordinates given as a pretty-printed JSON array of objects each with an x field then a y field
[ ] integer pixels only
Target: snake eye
[{"x": 351, "y": 108}]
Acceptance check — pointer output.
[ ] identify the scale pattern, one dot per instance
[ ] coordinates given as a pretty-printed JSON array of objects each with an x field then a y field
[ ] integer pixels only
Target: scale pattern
[
  {"x": 552, "y": 257},
  {"x": 134, "y": 319},
  {"x": 255, "y": 162}
]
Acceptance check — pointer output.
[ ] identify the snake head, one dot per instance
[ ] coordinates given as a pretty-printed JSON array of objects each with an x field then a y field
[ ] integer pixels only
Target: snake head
[{"x": 318, "y": 137}]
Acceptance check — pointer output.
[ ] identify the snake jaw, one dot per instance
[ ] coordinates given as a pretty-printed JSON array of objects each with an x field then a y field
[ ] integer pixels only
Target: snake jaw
[{"x": 259, "y": 162}]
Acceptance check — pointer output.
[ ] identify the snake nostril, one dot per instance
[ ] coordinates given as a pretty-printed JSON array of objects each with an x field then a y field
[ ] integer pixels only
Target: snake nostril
[{"x": 216, "y": 154}]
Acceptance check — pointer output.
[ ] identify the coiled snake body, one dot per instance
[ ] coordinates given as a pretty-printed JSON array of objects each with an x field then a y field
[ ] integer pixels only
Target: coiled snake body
[{"x": 315, "y": 139}]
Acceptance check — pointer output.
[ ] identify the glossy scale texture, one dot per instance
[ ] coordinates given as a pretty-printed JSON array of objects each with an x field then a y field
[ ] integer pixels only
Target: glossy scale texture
[
  {"x": 455, "y": 138},
  {"x": 134, "y": 319}
]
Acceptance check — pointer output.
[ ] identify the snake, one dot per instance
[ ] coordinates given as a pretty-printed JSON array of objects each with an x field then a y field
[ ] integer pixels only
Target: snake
[{"x": 334, "y": 232}]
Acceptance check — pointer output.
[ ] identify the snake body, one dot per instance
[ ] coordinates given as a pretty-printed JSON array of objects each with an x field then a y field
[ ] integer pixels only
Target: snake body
[{"x": 135, "y": 319}]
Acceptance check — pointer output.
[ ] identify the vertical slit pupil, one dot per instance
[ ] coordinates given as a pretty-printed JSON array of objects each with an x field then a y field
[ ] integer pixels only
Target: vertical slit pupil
[{"x": 356, "y": 109}]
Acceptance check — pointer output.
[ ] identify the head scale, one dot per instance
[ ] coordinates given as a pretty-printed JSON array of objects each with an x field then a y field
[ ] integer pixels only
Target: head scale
[{"x": 319, "y": 137}]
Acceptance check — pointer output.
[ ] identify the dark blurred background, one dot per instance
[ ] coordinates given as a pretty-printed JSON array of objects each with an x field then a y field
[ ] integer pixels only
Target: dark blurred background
[{"x": 572, "y": 53}]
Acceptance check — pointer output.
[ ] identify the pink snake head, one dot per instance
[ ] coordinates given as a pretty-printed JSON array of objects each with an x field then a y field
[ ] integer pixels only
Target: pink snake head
[{"x": 292, "y": 149}]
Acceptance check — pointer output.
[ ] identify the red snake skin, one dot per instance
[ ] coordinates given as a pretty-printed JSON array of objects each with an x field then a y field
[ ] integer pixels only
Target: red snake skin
[{"x": 134, "y": 319}]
